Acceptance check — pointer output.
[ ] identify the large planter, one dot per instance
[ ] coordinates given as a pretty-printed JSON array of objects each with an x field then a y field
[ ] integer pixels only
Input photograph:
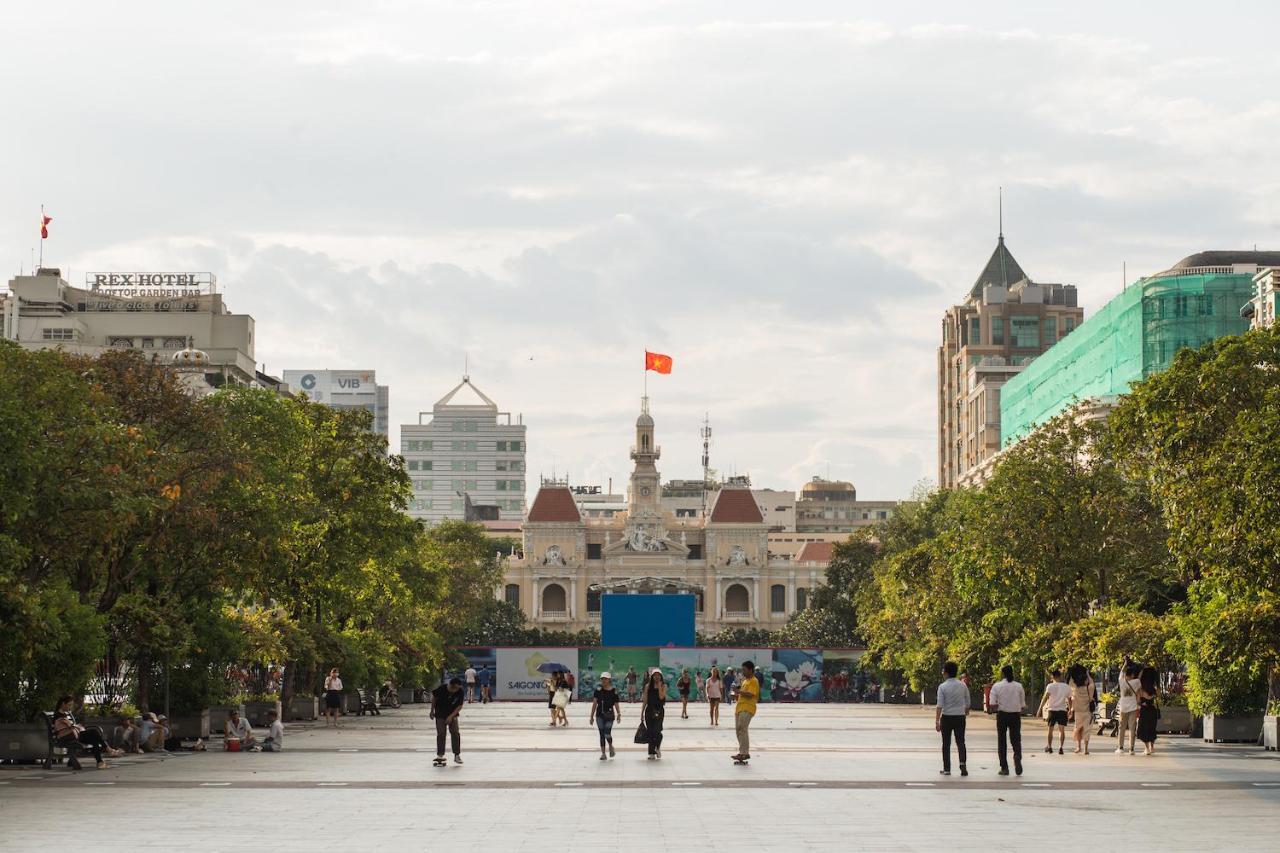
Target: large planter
[
  {"x": 256, "y": 712},
  {"x": 304, "y": 708},
  {"x": 1271, "y": 732},
  {"x": 1175, "y": 719},
  {"x": 191, "y": 725},
  {"x": 24, "y": 741},
  {"x": 218, "y": 716},
  {"x": 406, "y": 695},
  {"x": 1224, "y": 729}
]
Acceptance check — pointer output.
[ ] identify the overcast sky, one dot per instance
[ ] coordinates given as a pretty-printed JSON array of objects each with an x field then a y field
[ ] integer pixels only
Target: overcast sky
[{"x": 784, "y": 201}]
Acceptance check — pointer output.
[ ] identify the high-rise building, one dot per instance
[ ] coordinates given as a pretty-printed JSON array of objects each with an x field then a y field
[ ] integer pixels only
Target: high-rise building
[
  {"x": 1004, "y": 323},
  {"x": 1135, "y": 335},
  {"x": 467, "y": 456},
  {"x": 345, "y": 389},
  {"x": 1260, "y": 311},
  {"x": 832, "y": 506},
  {"x": 178, "y": 319}
]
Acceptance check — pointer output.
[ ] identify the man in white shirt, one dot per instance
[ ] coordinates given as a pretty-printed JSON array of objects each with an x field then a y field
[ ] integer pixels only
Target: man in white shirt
[
  {"x": 1007, "y": 700},
  {"x": 1055, "y": 699},
  {"x": 238, "y": 727},
  {"x": 1128, "y": 705},
  {"x": 275, "y": 734},
  {"x": 470, "y": 676},
  {"x": 949, "y": 717}
]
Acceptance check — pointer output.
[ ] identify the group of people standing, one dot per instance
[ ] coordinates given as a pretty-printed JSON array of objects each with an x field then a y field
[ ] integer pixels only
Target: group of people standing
[{"x": 1070, "y": 699}]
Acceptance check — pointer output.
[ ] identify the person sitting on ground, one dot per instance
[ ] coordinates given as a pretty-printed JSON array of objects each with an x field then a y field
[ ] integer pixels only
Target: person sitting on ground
[
  {"x": 72, "y": 736},
  {"x": 275, "y": 733},
  {"x": 152, "y": 733},
  {"x": 125, "y": 736},
  {"x": 238, "y": 727}
]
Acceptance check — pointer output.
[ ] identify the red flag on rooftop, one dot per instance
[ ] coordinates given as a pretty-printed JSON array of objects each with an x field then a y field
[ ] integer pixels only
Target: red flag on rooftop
[
  {"x": 44, "y": 225},
  {"x": 656, "y": 361}
]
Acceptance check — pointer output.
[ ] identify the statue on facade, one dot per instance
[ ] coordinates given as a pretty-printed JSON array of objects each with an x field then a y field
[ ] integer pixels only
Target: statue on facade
[
  {"x": 738, "y": 556},
  {"x": 553, "y": 557},
  {"x": 641, "y": 540}
]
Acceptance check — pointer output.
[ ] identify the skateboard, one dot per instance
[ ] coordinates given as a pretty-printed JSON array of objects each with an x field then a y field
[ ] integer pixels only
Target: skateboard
[
  {"x": 737, "y": 760},
  {"x": 439, "y": 762}
]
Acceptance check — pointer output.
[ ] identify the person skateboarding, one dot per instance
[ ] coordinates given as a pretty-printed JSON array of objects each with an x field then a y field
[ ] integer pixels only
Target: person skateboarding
[
  {"x": 744, "y": 710},
  {"x": 446, "y": 704}
]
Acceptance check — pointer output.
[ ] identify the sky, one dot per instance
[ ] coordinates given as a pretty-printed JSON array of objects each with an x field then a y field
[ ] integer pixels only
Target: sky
[{"x": 784, "y": 197}]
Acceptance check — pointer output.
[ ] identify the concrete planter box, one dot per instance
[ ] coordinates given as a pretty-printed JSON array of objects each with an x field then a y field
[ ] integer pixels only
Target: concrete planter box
[
  {"x": 218, "y": 716},
  {"x": 191, "y": 725},
  {"x": 304, "y": 708},
  {"x": 256, "y": 712},
  {"x": 1221, "y": 729},
  {"x": 24, "y": 741},
  {"x": 406, "y": 695},
  {"x": 1271, "y": 732},
  {"x": 1174, "y": 719}
]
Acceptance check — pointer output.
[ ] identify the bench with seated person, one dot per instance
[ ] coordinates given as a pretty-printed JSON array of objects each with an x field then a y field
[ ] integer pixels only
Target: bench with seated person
[{"x": 66, "y": 733}]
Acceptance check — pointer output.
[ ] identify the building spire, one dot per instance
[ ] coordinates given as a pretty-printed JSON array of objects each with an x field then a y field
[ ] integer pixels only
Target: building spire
[{"x": 1000, "y": 196}]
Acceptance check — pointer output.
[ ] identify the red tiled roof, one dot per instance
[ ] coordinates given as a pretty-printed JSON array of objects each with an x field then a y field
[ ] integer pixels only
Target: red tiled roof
[
  {"x": 736, "y": 506},
  {"x": 815, "y": 552},
  {"x": 554, "y": 503}
]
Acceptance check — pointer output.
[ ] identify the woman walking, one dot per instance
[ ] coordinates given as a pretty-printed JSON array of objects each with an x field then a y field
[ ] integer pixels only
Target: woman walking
[
  {"x": 652, "y": 711},
  {"x": 1080, "y": 706},
  {"x": 715, "y": 690},
  {"x": 550, "y": 685},
  {"x": 332, "y": 698},
  {"x": 1147, "y": 713},
  {"x": 683, "y": 683},
  {"x": 605, "y": 711}
]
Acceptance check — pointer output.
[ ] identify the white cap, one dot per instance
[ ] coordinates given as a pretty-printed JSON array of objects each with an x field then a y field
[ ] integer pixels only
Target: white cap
[{"x": 606, "y": 675}]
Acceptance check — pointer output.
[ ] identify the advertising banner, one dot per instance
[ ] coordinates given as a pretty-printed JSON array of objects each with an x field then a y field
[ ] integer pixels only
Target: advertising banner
[
  {"x": 618, "y": 662},
  {"x": 483, "y": 661},
  {"x": 797, "y": 675},
  {"x": 519, "y": 679},
  {"x": 700, "y": 662}
]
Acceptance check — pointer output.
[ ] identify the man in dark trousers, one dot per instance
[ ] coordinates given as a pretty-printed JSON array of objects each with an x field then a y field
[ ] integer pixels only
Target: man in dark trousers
[
  {"x": 949, "y": 718},
  {"x": 446, "y": 704}
]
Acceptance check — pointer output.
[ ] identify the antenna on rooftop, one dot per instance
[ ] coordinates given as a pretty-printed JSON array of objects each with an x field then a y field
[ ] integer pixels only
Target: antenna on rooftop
[
  {"x": 1000, "y": 203},
  {"x": 705, "y": 432},
  {"x": 466, "y": 367}
]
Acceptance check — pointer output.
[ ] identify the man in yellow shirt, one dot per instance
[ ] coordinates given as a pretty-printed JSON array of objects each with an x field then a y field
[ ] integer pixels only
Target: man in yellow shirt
[{"x": 745, "y": 709}]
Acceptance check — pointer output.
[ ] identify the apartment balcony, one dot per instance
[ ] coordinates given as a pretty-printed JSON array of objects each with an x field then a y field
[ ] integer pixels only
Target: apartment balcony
[{"x": 554, "y": 615}]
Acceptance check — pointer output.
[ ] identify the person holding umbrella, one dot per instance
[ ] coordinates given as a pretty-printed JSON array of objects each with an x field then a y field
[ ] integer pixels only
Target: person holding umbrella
[{"x": 557, "y": 691}]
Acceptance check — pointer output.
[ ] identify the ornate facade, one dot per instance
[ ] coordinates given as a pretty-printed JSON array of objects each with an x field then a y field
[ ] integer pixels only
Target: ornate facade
[{"x": 723, "y": 559}]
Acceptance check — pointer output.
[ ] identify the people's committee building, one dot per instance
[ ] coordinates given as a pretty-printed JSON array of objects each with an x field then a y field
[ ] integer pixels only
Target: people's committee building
[{"x": 571, "y": 558}]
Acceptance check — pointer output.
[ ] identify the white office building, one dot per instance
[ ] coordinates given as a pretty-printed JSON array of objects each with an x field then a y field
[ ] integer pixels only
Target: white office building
[
  {"x": 467, "y": 456},
  {"x": 345, "y": 389}
]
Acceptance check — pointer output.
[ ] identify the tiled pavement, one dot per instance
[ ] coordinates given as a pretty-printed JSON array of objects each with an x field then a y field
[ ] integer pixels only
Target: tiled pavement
[{"x": 825, "y": 777}]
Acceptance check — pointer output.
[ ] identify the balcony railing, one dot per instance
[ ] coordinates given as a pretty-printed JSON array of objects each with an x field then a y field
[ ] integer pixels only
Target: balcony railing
[{"x": 554, "y": 614}]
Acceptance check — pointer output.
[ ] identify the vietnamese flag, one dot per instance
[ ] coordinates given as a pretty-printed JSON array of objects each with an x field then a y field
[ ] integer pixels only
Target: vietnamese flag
[
  {"x": 44, "y": 225},
  {"x": 656, "y": 361}
]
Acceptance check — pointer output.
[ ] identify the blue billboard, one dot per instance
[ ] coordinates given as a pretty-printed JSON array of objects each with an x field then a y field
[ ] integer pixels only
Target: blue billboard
[{"x": 647, "y": 620}]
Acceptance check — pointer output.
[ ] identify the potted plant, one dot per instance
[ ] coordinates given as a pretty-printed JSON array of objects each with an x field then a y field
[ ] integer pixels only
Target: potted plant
[
  {"x": 304, "y": 707},
  {"x": 257, "y": 705},
  {"x": 1175, "y": 716},
  {"x": 1270, "y": 725}
]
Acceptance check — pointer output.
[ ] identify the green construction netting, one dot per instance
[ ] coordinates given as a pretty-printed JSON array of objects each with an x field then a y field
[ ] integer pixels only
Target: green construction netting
[{"x": 1132, "y": 336}]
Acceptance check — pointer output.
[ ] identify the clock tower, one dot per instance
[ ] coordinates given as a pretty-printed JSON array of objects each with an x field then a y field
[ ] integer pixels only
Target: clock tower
[{"x": 645, "y": 486}]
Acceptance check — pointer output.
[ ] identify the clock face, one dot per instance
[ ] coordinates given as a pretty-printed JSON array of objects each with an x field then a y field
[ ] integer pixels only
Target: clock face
[{"x": 644, "y": 491}]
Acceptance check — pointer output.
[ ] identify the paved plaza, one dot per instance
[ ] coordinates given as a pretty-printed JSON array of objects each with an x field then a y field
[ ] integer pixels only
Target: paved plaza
[{"x": 827, "y": 777}]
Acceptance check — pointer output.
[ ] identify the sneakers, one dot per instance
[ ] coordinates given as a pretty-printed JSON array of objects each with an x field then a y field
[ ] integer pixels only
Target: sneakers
[
  {"x": 1059, "y": 750},
  {"x": 658, "y": 754},
  {"x": 964, "y": 771},
  {"x": 1048, "y": 749},
  {"x": 1017, "y": 768},
  {"x": 1119, "y": 750},
  {"x": 1002, "y": 772},
  {"x": 612, "y": 753},
  {"x": 652, "y": 757},
  {"x": 944, "y": 772},
  {"x": 457, "y": 759},
  {"x": 604, "y": 757}
]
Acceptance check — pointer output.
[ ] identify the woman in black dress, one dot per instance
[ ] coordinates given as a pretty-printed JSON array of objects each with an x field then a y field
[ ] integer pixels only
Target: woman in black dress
[
  {"x": 1147, "y": 713},
  {"x": 655, "y": 700}
]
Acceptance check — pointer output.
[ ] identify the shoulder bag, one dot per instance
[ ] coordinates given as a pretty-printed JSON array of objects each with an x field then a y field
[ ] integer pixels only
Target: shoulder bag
[{"x": 642, "y": 733}]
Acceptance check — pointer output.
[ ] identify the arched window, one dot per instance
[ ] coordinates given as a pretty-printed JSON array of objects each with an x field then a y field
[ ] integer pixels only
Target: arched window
[
  {"x": 802, "y": 598},
  {"x": 644, "y": 442},
  {"x": 593, "y": 601},
  {"x": 553, "y": 599},
  {"x": 736, "y": 599},
  {"x": 512, "y": 594},
  {"x": 777, "y": 598}
]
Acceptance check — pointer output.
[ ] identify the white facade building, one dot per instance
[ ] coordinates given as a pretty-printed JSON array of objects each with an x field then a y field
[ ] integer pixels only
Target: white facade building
[
  {"x": 467, "y": 454},
  {"x": 158, "y": 314},
  {"x": 345, "y": 389}
]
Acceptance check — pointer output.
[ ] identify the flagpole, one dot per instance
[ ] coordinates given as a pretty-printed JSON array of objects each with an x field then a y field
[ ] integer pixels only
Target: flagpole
[{"x": 42, "y": 235}]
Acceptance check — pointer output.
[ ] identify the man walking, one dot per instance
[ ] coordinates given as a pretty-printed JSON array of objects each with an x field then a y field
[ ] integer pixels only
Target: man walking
[
  {"x": 949, "y": 716},
  {"x": 745, "y": 709},
  {"x": 486, "y": 684},
  {"x": 446, "y": 704},
  {"x": 1007, "y": 700},
  {"x": 470, "y": 676},
  {"x": 1054, "y": 701},
  {"x": 632, "y": 678}
]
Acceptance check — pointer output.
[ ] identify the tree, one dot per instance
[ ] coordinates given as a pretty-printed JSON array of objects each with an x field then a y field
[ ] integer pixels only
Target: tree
[
  {"x": 831, "y": 619},
  {"x": 1202, "y": 435}
]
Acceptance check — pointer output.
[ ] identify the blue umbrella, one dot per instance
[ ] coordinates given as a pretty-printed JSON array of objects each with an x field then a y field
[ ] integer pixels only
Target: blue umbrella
[{"x": 552, "y": 666}]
